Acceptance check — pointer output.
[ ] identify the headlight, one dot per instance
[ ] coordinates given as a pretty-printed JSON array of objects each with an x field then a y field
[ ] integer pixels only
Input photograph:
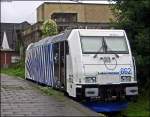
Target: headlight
[
  {"x": 125, "y": 78},
  {"x": 90, "y": 79}
]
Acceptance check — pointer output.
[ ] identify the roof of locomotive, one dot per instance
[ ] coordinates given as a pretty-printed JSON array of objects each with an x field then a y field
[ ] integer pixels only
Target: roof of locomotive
[
  {"x": 52, "y": 39},
  {"x": 88, "y": 32}
]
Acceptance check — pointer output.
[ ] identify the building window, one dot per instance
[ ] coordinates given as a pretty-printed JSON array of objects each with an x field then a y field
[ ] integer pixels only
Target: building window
[{"x": 64, "y": 17}]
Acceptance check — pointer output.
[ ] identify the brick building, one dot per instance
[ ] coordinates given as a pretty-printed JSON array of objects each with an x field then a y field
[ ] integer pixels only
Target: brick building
[
  {"x": 69, "y": 16},
  {"x": 74, "y": 12}
]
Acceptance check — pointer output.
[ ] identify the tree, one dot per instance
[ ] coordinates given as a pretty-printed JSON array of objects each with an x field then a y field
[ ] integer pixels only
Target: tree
[
  {"x": 20, "y": 45},
  {"x": 133, "y": 16},
  {"x": 49, "y": 28}
]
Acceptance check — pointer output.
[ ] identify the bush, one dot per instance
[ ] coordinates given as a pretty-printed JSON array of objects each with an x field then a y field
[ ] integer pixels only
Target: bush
[
  {"x": 133, "y": 16},
  {"x": 16, "y": 69},
  {"x": 49, "y": 28}
]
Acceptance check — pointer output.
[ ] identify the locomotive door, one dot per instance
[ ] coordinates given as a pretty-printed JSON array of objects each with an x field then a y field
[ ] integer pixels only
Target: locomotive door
[
  {"x": 60, "y": 52},
  {"x": 56, "y": 63}
]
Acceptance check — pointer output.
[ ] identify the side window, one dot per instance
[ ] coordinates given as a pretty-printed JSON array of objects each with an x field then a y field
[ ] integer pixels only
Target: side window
[
  {"x": 56, "y": 52},
  {"x": 66, "y": 47}
]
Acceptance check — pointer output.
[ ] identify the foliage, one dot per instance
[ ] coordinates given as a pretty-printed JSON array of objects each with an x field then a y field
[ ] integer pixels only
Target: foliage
[
  {"x": 133, "y": 16},
  {"x": 140, "y": 108},
  {"x": 50, "y": 91},
  {"x": 49, "y": 28},
  {"x": 16, "y": 69}
]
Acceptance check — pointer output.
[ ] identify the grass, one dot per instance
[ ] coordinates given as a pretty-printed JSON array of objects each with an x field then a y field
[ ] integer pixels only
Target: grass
[
  {"x": 141, "y": 108},
  {"x": 15, "y": 70},
  {"x": 50, "y": 91}
]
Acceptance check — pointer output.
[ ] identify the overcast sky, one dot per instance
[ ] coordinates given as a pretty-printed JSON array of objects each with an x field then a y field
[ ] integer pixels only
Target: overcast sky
[{"x": 19, "y": 11}]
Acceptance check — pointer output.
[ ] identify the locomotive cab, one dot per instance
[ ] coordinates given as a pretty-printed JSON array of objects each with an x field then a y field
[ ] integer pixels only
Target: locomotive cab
[{"x": 100, "y": 65}]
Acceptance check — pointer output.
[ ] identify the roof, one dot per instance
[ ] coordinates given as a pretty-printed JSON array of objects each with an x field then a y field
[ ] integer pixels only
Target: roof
[
  {"x": 101, "y": 32},
  {"x": 78, "y": 3},
  {"x": 11, "y": 32},
  {"x": 52, "y": 39},
  {"x": 10, "y": 26},
  {"x": 83, "y": 32},
  {"x": 7, "y": 50}
]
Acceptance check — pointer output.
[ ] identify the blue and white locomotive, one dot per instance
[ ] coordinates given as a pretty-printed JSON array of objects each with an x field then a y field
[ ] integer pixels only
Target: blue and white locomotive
[{"x": 85, "y": 63}]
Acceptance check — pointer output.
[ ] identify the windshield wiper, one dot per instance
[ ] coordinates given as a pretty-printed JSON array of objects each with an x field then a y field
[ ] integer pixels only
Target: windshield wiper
[
  {"x": 106, "y": 48},
  {"x": 99, "y": 49}
]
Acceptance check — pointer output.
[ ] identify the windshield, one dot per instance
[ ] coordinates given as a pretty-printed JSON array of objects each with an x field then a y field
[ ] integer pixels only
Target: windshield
[
  {"x": 103, "y": 45},
  {"x": 91, "y": 44}
]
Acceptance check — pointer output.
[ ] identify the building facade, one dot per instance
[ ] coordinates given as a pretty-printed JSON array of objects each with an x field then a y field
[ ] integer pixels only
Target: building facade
[
  {"x": 9, "y": 37},
  {"x": 32, "y": 33},
  {"x": 8, "y": 57},
  {"x": 75, "y": 12},
  {"x": 11, "y": 30},
  {"x": 69, "y": 16}
]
